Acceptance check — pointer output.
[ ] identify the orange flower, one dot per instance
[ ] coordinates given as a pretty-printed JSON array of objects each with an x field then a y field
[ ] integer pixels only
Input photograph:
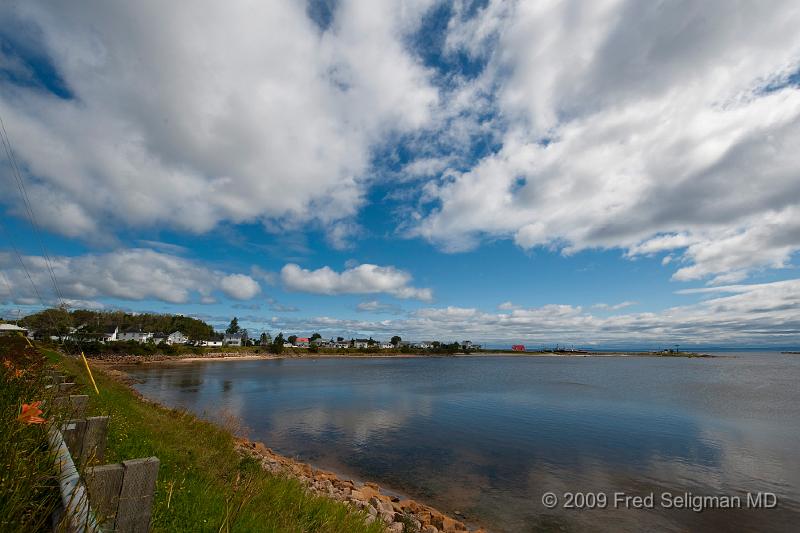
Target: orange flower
[
  {"x": 19, "y": 373},
  {"x": 8, "y": 364},
  {"x": 30, "y": 414}
]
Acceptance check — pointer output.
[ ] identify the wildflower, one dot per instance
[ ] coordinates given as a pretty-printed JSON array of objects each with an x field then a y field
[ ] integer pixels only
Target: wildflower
[
  {"x": 8, "y": 364},
  {"x": 30, "y": 414}
]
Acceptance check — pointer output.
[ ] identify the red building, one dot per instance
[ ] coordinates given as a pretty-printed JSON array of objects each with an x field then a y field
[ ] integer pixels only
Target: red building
[{"x": 518, "y": 347}]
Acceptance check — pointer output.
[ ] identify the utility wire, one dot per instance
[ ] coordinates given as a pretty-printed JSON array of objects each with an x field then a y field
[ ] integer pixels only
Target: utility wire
[{"x": 29, "y": 208}]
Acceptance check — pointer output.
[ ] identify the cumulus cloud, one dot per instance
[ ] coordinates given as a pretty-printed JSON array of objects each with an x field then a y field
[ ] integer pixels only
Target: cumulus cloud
[
  {"x": 361, "y": 279},
  {"x": 184, "y": 116},
  {"x": 652, "y": 127},
  {"x": 755, "y": 314},
  {"x": 131, "y": 274},
  {"x": 239, "y": 286}
]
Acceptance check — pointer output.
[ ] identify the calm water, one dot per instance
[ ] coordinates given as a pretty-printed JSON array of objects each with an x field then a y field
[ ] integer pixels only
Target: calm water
[{"x": 488, "y": 436}]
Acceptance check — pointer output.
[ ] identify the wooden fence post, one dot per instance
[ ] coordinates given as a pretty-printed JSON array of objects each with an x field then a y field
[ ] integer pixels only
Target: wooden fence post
[
  {"x": 95, "y": 437},
  {"x": 104, "y": 484},
  {"x": 136, "y": 497}
]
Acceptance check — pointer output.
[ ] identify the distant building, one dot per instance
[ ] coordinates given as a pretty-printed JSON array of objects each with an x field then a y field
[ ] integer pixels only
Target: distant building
[
  {"x": 387, "y": 346},
  {"x": 360, "y": 343},
  {"x": 176, "y": 337},
  {"x": 423, "y": 345},
  {"x": 518, "y": 347},
  {"x": 111, "y": 334},
  {"x": 136, "y": 335},
  {"x": 11, "y": 329},
  {"x": 301, "y": 342},
  {"x": 212, "y": 343},
  {"x": 234, "y": 339}
]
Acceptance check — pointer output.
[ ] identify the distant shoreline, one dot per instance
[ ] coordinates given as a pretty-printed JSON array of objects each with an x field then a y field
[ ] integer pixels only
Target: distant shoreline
[{"x": 249, "y": 356}]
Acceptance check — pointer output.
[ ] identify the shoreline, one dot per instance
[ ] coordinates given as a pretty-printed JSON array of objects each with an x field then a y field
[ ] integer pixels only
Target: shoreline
[
  {"x": 379, "y": 503},
  {"x": 111, "y": 360}
]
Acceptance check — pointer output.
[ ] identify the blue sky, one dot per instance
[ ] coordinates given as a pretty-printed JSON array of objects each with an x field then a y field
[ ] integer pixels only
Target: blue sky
[{"x": 497, "y": 171}]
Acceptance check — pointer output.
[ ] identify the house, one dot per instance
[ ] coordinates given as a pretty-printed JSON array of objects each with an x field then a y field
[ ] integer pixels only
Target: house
[
  {"x": 301, "y": 342},
  {"x": 518, "y": 347},
  {"x": 288, "y": 345},
  {"x": 11, "y": 329},
  {"x": 423, "y": 345},
  {"x": 136, "y": 335},
  {"x": 111, "y": 334},
  {"x": 234, "y": 339},
  {"x": 158, "y": 338},
  {"x": 361, "y": 343},
  {"x": 468, "y": 345},
  {"x": 387, "y": 346},
  {"x": 176, "y": 337},
  {"x": 211, "y": 343}
]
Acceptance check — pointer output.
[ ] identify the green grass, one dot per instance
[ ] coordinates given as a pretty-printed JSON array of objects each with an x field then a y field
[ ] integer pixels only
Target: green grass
[
  {"x": 203, "y": 483},
  {"x": 28, "y": 484}
]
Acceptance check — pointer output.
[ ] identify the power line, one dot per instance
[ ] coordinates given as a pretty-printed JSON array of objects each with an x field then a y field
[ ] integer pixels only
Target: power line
[{"x": 29, "y": 208}]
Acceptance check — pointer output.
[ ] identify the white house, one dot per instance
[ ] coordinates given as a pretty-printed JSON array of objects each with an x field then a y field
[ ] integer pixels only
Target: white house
[
  {"x": 424, "y": 345},
  {"x": 211, "y": 343},
  {"x": 11, "y": 329},
  {"x": 361, "y": 343},
  {"x": 233, "y": 339},
  {"x": 136, "y": 335},
  {"x": 387, "y": 346},
  {"x": 176, "y": 337},
  {"x": 111, "y": 334}
]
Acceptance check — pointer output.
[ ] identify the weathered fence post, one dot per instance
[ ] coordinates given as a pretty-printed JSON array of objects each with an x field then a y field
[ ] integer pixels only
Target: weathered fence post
[{"x": 136, "y": 497}]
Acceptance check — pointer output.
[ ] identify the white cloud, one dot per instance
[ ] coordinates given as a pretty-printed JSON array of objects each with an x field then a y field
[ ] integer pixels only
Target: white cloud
[
  {"x": 189, "y": 116},
  {"x": 643, "y": 126},
  {"x": 375, "y": 306},
  {"x": 614, "y": 307},
  {"x": 131, "y": 274},
  {"x": 239, "y": 286},
  {"x": 361, "y": 279},
  {"x": 508, "y": 306}
]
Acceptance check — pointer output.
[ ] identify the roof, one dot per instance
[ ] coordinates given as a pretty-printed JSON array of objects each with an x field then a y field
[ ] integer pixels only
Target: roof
[
  {"x": 302, "y": 339},
  {"x": 11, "y": 327}
]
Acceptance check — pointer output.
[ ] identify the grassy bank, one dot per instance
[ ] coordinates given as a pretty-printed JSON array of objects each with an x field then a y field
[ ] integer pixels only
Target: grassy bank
[
  {"x": 203, "y": 483},
  {"x": 28, "y": 484}
]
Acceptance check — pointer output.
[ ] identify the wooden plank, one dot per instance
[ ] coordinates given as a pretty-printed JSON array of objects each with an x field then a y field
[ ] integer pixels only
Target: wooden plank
[
  {"x": 94, "y": 440},
  {"x": 66, "y": 387},
  {"x": 136, "y": 497},
  {"x": 104, "y": 484},
  {"x": 73, "y": 432},
  {"x": 74, "y": 406}
]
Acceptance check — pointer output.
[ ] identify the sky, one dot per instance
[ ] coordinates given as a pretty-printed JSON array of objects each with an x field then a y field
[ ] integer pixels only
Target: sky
[{"x": 600, "y": 173}]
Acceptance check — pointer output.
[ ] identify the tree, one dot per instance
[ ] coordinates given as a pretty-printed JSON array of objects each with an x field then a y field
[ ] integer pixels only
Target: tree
[
  {"x": 265, "y": 339},
  {"x": 277, "y": 344},
  {"x": 292, "y": 339},
  {"x": 339, "y": 339},
  {"x": 396, "y": 340},
  {"x": 234, "y": 327},
  {"x": 314, "y": 337}
]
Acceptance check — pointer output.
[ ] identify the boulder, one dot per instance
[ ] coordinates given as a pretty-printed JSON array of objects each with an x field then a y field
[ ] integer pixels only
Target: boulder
[{"x": 395, "y": 527}]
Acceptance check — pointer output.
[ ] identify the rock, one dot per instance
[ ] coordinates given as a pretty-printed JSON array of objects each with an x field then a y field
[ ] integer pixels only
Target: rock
[
  {"x": 358, "y": 495},
  {"x": 372, "y": 511},
  {"x": 368, "y": 492},
  {"x": 387, "y": 517},
  {"x": 429, "y": 529},
  {"x": 395, "y": 527},
  {"x": 369, "y": 519}
]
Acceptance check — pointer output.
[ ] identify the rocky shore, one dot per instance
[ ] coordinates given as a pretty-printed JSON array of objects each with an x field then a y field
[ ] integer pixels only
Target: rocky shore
[{"x": 400, "y": 515}]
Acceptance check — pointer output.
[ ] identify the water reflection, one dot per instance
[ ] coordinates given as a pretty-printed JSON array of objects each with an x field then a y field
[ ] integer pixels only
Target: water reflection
[{"x": 488, "y": 436}]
